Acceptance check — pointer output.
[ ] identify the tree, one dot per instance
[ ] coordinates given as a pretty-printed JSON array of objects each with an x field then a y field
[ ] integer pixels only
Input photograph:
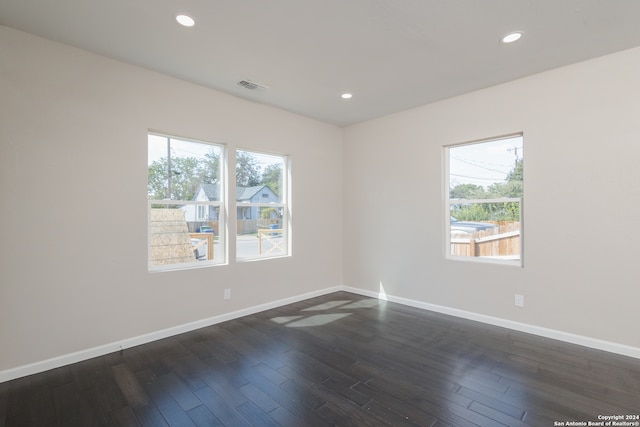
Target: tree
[
  {"x": 272, "y": 177},
  {"x": 517, "y": 173},
  {"x": 505, "y": 189},
  {"x": 501, "y": 211},
  {"x": 210, "y": 168},
  {"x": 247, "y": 170},
  {"x": 514, "y": 185},
  {"x": 186, "y": 175},
  {"x": 467, "y": 191}
]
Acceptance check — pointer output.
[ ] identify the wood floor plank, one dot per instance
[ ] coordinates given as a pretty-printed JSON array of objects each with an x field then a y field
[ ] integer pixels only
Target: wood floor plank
[
  {"x": 218, "y": 407},
  {"x": 493, "y": 402},
  {"x": 345, "y": 392},
  {"x": 124, "y": 417},
  {"x": 225, "y": 388},
  {"x": 259, "y": 398},
  {"x": 4, "y": 393},
  {"x": 190, "y": 369},
  {"x": 202, "y": 416},
  {"x": 178, "y": 389},
  {"x": 149, "y": 416},
  {"x": 163, "y": 399},
  {"x": 338, "y": 359},
  {"x": 72, "y": 408},
  {"x": 389, "y": 417},
  {"x": 294, "y": 405},
  {"x": 130, "y": 386},
  {"x": 286, "y": 418},
  {"x": 256, "y": 416}
]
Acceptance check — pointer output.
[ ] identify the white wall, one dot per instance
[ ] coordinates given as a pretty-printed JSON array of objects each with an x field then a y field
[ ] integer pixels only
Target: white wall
[
  {"x": 73, "y": 144},
  {"x": 582, "y": 201},
  {"x": 73, "y": 140}
]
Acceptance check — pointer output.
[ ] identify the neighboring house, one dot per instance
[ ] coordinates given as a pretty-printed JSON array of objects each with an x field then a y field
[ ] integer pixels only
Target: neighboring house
[
  {"x": 198, "y": 215},
  {"x": 204, "y": 193},
  {"x": 257, "y": 194}
]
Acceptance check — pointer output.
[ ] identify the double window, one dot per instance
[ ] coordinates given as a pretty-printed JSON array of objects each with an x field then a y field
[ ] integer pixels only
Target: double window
[
  {"x": 187, "y": 204},
  {"x": 484, "y": 203}
]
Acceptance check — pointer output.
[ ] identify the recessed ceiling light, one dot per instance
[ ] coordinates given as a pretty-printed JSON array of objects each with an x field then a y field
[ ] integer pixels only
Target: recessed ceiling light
[
  {"x": 346, "y": 96},
  {"x": 185, "y": 20},
  {"x": 512, "y": 37}
]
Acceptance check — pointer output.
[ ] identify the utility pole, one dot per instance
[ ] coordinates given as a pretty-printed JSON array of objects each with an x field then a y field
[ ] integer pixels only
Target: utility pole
[
  {"x": 515, "y": 151},
  {"x": 169, "y": 168}
]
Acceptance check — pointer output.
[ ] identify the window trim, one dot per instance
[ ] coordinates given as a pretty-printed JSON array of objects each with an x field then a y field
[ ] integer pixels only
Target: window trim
[
  {"x": 284, "y": 204},
  {"x": 221, "y": 204},
  {"x": 447, "y": 209}
]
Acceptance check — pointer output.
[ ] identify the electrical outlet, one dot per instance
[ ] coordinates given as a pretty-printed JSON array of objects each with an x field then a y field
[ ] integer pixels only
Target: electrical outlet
[
  {"x": 519, "y": 301},
  {"x": 227, "y": 294}
]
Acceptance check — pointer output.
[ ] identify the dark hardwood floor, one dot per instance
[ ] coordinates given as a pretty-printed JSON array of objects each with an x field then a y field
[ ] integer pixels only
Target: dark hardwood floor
[{"x": 340, "y": 359}]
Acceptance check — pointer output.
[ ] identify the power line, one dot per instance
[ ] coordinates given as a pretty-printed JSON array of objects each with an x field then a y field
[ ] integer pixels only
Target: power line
[
  {"x": 475, "y": 177},
  {"x": 481, "y": 167},
  {"x": 481, "y": 161}
]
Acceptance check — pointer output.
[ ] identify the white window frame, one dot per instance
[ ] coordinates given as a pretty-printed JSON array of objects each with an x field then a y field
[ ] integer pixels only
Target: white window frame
[
  {"x": 285, "y": 207},
  {"x": 508, "y": 261},
  {"x": 222, "y": 249}
]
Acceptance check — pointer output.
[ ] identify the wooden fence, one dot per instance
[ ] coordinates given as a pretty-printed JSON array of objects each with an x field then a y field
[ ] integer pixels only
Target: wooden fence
[
  {"x": 250, "y": 226},
  {"x": 274, "y": 238},
  {"x": 502, "y": 241},
  {"x": 205, "y": 239},
  {"x": 195, "y": 226}
]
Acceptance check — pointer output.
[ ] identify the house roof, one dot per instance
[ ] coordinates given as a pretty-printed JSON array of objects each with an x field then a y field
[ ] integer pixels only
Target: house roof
[
  {"x": 246, "y": 193},
  {"x": 212, "y": 191}
]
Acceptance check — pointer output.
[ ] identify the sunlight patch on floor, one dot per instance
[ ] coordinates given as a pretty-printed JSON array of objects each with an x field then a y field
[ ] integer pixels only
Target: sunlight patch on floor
[
  {"x": 327, "y": 305},
  {"x": 363, "y": 303},
  {"x": 285, "y": 319},
  {"x": 317, "y": 320}
]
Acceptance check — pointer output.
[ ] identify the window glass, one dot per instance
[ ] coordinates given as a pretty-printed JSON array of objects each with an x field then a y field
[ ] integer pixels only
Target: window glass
[
  {"x": 186, "y": 214},
  {"x": 261, "y": 205},
  {"x": 485, "y": 200}
]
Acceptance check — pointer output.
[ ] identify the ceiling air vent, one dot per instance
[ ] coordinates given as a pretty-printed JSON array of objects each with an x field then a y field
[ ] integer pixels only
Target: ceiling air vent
[{"x": 248, "y": 84}]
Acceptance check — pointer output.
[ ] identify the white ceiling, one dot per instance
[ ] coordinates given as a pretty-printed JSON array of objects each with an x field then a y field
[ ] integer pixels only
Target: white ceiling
[{"x": 391, "y": 54}]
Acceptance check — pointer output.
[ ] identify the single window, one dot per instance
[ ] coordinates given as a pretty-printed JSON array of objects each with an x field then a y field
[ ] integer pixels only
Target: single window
[
  {"x": 262, "y": 205},
  {"x": 485, "y": 192},
  {"x": 202, "y": 213},
  {"x": 186, "y": 203}
]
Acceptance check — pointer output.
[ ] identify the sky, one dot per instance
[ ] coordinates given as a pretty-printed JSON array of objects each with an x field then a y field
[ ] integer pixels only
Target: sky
[
  {"x": 179, "y": 148},
  {"x": 484, "y": 163},
  {"x": 183, "y": 148},
  {"x": 480, "y": 163}
]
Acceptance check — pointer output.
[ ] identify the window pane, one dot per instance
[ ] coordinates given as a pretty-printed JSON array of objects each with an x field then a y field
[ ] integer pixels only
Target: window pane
[
  {"x": 184, "y": 192},
  {"x": 259, "y": 177},
  {"x": 175, "y": 237},
  {"x": 485, "y": 199},
  {"x": 178, "y": 169},
  {"x": 261, "y": 209},
  {"x": 265, "y": 237}
]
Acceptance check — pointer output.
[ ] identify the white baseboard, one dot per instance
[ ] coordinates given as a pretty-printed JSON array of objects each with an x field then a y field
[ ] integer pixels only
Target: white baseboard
[
  {"x": 598, "y": 344},
  {"x": 78, "y": 356},
  {"x": 81, "y": 355}
]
